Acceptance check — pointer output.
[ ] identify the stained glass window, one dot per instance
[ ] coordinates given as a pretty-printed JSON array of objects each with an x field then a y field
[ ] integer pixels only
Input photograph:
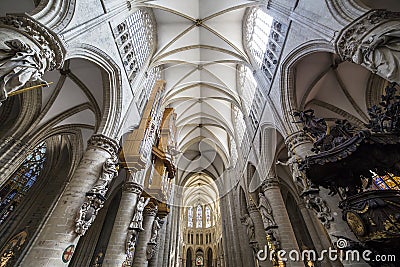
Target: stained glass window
[
  {"x": 389, "y": 181},
  {"x": 190, "y": 217},
  {"x": 199, "y": 217},
  {"x": 208, "y": 217},
  {"x": 14, "y": 191}
]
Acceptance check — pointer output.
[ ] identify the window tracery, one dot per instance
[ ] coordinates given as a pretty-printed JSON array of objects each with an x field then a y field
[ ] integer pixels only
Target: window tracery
[
  {"x": 199, "y": 217},
  {"x": 14, "y": 191},
  {"x": 208, "y": 217},
  {"x": 134, "y": 38},
  {"x": 190, "y": 217},
  {"x": 265, "y": 37}
]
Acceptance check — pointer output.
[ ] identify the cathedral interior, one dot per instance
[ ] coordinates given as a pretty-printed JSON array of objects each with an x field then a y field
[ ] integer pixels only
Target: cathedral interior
[{"x": 225, "y": 133}]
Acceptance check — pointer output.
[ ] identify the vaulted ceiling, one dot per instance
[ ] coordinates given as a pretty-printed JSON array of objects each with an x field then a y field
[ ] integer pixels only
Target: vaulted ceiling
[{"x": 199, "y": 46}]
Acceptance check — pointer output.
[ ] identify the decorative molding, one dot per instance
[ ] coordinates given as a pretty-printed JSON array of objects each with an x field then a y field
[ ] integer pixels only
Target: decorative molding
[
  {"x": 104, "y": 142},
  {"x": 297, "y": 139},
  {"x": 269, "y": 183},
  {"x": 132, "y": 187}
]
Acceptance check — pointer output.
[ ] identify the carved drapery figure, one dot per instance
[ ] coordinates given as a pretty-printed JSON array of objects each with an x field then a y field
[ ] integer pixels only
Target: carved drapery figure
[
  {"x": 131, "y": 246},
  {"x": 381, "y": 54},
  {"x": 137, "y": 219},
  {"x": 96, "y": 196},
  {"x": 248, "y": 222},
  {"x": 27, "y": 60},
  {"x": 154, "y": 230},
  {"x": 323, "y": 212},
  {"x": 109, "y": 171},
  {"x": 373, "y": 41},
  {"x": 18, "y": 65},
  {"x": 152, "y": 245},
  {"x": 266, "y": 212},
  {"x": 87, "y": 213},
  {"x": 293, "y": 162}
]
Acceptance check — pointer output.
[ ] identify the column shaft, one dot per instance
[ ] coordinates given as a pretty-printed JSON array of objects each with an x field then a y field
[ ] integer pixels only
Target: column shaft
[
  {"x": 59, "y": 231},
  {"x": 116, "y": 248},
  {"x": 287, "y": 237},
  {"x": 140, "y": 259},
  {"x": 153, "y": 262}
]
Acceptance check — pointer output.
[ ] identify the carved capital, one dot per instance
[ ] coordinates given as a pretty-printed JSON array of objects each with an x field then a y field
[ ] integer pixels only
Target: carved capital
[
  {"x": 48, "y": 42},
  {"x": 132, "y": 187},
  {"x": 269, "y": 183},
  {"x": 150, "y": 210},
  {"x": 104, "y": 142},
  {"x": 297, "y": 139}
]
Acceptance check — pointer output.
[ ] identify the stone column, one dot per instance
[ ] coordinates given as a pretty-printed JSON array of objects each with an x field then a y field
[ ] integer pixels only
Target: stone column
[
  {"x": 168, "y": 240},
  {"x": 230, "y": 252},
  {"x": 149, "y": 214},
  {"x": 153, "y": 262},
  {"x": 233, "y": 244},
  {"x": 226, "y": 234},
  {"x": 259, "y": 231},
  {"x": 59, "y": 231},
  {"x": 288, "y": 241},
  {"x": 315, "y": 228},
  {"x": 246, "y": 249},
  {"x": 116, "y": 248},
  {"x": 162, "y": 244},
  {"x": 373, "y": 41}
]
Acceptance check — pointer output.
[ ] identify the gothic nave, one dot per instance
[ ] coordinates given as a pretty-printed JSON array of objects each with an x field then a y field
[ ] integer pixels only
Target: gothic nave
[{"x": 170, "y": 133}]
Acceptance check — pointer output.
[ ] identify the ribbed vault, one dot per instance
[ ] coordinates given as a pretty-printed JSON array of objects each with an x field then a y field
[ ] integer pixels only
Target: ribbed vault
[{"x": 200, "y": 44}]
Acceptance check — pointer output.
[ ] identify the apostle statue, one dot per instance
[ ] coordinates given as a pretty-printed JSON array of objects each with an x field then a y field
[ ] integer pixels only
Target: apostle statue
[
  {"x": 18, "y": 65},
  {"x": 248, "y": 222},
  {"x": 130, "y": 245},
  {"x": 154, "y": 230},
  {"x": 293, "y": 163},
  {"x": 381, "y": 54},
  {"x": 137, "y": 219},
  {"x": 109, "y": 171},
  {"x": 266, "y": 212}
]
